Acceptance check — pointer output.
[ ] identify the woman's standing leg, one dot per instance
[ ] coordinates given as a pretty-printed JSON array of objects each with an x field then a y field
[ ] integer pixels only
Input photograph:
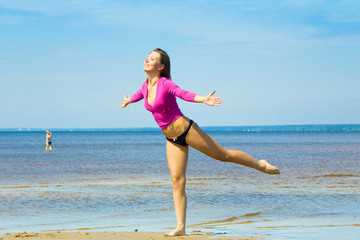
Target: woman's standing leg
[
  {"x": 204, "y": 143},
  {"x": 177, "y": 160}
]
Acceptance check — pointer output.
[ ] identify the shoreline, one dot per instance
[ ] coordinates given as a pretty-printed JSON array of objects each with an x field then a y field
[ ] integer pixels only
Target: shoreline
[{"x": 127, "y": 236}]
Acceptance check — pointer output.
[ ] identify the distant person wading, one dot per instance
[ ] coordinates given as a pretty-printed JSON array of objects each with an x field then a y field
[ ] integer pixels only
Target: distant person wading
[{"x": 48, "y": 141}]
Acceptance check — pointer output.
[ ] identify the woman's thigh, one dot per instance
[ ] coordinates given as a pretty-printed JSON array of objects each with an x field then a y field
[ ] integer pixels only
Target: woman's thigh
[
  {"x": 177, "y": 157},
  {"x": 203, "y": 142}
]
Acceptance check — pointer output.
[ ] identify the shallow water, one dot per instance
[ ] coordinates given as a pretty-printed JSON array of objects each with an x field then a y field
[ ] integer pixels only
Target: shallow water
[{"x": 119, "y": 181}]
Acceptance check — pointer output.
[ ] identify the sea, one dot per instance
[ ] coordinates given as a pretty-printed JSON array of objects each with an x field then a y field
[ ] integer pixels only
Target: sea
[{"x": 118, "y": 180}]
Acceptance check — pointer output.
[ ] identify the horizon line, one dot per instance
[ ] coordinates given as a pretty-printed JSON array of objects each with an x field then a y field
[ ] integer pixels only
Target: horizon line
[{"x": 287, "y": 127}]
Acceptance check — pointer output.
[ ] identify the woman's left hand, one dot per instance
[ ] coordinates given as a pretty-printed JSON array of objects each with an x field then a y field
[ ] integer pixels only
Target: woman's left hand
[{"x": 212, "y": 101}]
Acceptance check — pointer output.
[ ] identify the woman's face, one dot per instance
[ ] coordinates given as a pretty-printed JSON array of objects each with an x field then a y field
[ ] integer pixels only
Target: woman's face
[{"x": 152, "y": 63}]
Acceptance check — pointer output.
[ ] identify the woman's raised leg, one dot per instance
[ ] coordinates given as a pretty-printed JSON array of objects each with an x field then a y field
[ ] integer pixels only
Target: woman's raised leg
[
  {"x": 204, "y": 143},
  {"x": 177, "y": 160}
]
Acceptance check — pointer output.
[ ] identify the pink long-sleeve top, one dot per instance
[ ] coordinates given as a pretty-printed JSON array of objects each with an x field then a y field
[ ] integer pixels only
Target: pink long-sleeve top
[{"x": 165, "y": 108}]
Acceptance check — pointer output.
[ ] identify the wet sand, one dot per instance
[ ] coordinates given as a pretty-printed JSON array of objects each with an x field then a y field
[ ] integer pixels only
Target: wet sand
[{"x": 126, "y": 236}]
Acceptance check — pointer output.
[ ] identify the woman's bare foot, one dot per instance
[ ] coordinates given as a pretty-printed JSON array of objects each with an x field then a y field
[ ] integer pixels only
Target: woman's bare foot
[
  {"x": 268, "y": 168},
  {"x": 175, "y": 232}
]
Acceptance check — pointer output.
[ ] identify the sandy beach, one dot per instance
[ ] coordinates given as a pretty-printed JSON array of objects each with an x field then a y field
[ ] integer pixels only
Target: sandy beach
[{"x": 126, "y": 236}]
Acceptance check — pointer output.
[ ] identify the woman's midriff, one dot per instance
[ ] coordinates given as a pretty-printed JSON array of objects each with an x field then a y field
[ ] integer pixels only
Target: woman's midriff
[{"x": 177, "y": 127}]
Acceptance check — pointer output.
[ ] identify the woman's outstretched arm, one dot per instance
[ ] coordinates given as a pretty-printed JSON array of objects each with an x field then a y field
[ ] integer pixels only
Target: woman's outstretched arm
[
  {"x": 208, "y": 100},
  {"x": 139, "y": 95}
]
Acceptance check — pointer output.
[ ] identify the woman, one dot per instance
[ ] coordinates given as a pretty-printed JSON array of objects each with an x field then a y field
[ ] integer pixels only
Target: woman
[{"x": 159, "y": 94}]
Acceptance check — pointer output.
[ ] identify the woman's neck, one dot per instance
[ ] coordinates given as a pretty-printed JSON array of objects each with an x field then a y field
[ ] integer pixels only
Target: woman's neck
[{"x": 152, "y": 80}]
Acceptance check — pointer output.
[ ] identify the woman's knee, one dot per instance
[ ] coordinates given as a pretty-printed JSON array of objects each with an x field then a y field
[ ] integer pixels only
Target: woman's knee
[
  {"x": 224, "y": 156},
  {"x": 179, "y": 183}
]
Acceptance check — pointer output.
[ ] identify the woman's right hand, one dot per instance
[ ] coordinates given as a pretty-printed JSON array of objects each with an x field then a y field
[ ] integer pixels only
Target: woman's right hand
[{"x": 126, "y": 101}]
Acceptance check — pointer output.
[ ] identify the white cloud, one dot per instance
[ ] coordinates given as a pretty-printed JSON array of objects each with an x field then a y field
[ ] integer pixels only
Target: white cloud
[
  {"x": 49, "y": 7},
  {"x": 260, "y": 25}
]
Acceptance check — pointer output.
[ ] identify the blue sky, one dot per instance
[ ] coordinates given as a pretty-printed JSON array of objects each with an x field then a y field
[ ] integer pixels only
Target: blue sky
[{"x": 68, "y": 64}]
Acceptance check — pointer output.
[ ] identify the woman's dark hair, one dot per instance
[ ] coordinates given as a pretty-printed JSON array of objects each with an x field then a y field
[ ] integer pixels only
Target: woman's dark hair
[{"x": 164, "y": 59}]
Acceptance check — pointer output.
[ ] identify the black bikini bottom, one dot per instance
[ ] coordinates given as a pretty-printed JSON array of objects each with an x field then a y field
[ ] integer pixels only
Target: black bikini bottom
[{"x": 180, "y": 140}]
